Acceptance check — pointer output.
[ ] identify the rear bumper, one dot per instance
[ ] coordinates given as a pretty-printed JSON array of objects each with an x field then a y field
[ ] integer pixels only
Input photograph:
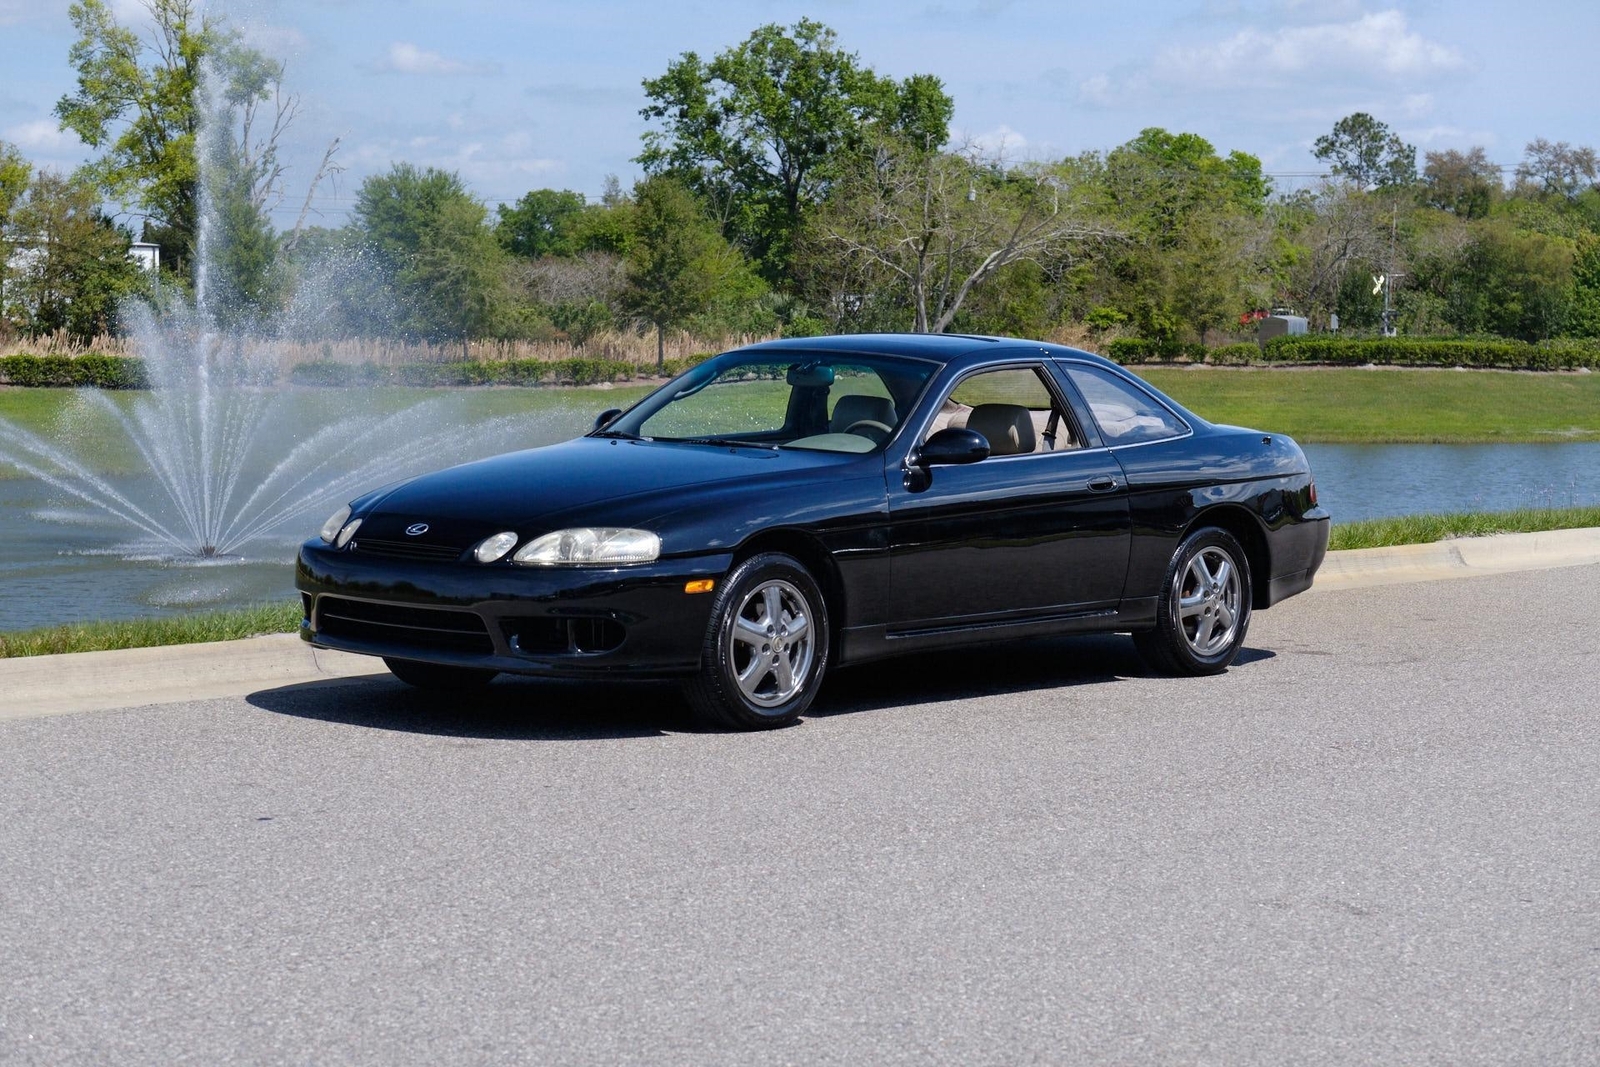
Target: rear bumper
[
  {"x": 1297, "y": 551},
  {"x": 566, "y": 622}
]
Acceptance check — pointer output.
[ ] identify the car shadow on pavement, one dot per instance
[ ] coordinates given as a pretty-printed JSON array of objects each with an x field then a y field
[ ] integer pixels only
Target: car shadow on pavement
[
  {"x": 508, "y": 709},
  {"x": 987, "y": 670},
  {"x": 990, "y": 670},
  {"x": 535, "y": 709}
]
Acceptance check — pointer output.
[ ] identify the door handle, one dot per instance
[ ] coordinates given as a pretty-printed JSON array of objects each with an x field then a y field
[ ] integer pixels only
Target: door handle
[{"x": 1102, "y": 485}]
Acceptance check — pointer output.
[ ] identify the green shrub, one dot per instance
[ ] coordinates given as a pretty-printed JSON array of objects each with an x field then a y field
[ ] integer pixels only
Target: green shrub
[
  {"x": 1239, "y": 355},
  {"x": 674, "y": 367},
  {"x": 1146, "y": 350},
  {"x": 1433, "y": 352},
  {"x": 89, "y": 370},
  {"x": 576, "y": 371}
]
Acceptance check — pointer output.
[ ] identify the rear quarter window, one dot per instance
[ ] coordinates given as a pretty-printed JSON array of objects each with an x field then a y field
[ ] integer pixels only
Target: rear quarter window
[{"x": 1126, "y": 414}]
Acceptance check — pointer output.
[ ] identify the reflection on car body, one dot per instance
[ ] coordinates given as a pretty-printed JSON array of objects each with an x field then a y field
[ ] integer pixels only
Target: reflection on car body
[{"x": 796, "y": 505}]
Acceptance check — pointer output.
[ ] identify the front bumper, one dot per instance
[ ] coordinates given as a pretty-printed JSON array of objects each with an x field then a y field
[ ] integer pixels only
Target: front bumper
[{"x": 569, "y": 622}]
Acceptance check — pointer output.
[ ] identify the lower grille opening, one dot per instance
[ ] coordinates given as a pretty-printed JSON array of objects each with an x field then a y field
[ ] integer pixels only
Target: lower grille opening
[
  {"x": 438, "y": 628},
  {"x": 549, "y": 636}
]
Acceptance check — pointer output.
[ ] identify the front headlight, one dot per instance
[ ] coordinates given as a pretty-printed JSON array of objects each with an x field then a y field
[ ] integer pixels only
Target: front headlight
[
  {"x": 602, "y": 544},
  {"x": 335, "y": 523}
]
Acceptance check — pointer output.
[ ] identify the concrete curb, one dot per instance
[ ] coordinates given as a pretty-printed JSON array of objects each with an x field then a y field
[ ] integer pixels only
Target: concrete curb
[
  {"x": 33, "y": 686},
  {"x": 36, "y": 686},
  {"x": 1460, "y": 558}
]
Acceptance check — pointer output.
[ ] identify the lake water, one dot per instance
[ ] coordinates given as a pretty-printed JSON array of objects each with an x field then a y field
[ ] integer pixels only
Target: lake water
[
  {"x": 57, "y": 565},
  {"x": 1379, "y": 481}
]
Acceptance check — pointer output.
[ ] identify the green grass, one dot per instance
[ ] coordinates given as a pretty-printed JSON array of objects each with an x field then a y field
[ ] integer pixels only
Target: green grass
[
  {"x": 1355, "y": 406},
  {"x": 1317, "y": 405},
  {"x": 1424, "y": 529},
  {"x": 144, "y": 633}
]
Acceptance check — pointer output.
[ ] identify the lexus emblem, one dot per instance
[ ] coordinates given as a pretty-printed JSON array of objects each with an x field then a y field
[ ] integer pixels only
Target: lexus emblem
[{"x": 416, "y": 529}]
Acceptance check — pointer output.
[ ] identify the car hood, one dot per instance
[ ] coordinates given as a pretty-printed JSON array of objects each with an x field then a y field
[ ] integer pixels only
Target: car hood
[{"x": 588, "y": 481}]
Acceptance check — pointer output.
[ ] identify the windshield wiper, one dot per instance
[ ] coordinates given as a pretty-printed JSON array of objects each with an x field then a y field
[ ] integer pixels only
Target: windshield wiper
[
  {"x": 620, "y": 435},
  {"x": 727, "y": 442}
]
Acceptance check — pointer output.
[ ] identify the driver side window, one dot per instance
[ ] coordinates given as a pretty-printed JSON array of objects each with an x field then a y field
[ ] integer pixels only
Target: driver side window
[{"x": 1012, "y": 408}]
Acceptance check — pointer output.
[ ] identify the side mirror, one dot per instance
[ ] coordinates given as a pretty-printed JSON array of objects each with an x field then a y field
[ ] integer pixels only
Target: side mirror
[
  {"x": 953, "y": 444},
  {"x": 602, "y": 420}
]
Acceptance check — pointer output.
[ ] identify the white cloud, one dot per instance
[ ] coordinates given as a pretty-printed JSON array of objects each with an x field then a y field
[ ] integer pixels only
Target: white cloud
[
  {"x": 43, "y": 136},
  {"x": 1000, "y": 141},
  {"x": 1417, "y": 105},
  {"x": 1095, "y": 90},
  {"x": 406, "y": 58},
  {"x": 1377, "y": 45}
]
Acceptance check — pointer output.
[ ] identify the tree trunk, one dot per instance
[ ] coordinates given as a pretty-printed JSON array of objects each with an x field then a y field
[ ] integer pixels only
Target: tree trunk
[{"x": 661, "y": 347}]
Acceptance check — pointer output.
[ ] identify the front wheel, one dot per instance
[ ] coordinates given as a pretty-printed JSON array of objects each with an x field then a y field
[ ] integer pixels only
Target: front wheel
[
  {"x": 1204, "y": 608},
  {"x": 438, "y": 677},
  {"x": 766, "y": 647}
]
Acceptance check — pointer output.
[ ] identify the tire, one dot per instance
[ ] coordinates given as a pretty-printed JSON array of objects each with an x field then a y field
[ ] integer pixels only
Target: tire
[
  {"x": 1203, "y": 612},
  {"x": 438, "y": 677},
  {"x": 758, "y": 670}
]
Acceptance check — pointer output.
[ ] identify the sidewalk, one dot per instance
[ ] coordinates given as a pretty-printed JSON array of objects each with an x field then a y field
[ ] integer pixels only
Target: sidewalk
[{"x": 35, "y": 686}]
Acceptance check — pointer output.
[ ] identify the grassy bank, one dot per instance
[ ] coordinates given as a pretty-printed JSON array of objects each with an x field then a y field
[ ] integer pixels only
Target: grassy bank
[
  {"x": 1357, "y": 406},
  {"x": 1424, "y": 529},
  {"x": 144, "y": 633},
  {"x": 285, "y": 618}
]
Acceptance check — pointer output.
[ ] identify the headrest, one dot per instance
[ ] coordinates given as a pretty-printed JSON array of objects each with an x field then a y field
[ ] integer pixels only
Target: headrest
[
  {"x": 853, "y": 407},
  {"x": 1007, "y": 427}
]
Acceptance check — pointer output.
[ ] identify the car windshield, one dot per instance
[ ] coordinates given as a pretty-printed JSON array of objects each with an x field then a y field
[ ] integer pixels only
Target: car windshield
[{"x": 831, "y": 402}]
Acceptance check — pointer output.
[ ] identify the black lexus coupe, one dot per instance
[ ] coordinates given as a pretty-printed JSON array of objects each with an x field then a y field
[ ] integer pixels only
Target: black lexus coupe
[{"x": 798, "y": 504}]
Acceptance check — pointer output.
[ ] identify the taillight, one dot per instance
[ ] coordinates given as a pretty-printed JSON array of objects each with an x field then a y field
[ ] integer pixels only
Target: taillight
[{"x": 1312, "y": 489}]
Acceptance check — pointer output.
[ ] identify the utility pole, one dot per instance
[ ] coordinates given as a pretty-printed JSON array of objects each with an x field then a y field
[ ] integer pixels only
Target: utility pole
[{"x": 1389, "y": 276}]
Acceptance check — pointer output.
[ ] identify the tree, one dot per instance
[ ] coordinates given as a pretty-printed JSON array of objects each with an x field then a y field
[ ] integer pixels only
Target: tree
[
  {"x": 149, "y": 105},
  {"x": 137, "y": 102},
  {"x": 1363, "y": 150},
  {"x": 540, "y": 224},
  {"x": 758, "y": 132},
  {"x": 1557, "y": 169},
  {"x": 1462, "y": 183},
  {"x": 1336, "y": 231},
  {"x": 1583, "y": 319},
  {"x": 429, "y": 234},
  {"x": 938, "y": 224},
  {"x": 1198, "y": 251},
  {"x": 678, "y": 263},
  {"x": 74, "y": 265},
  {"x": 15, "y": 173}
]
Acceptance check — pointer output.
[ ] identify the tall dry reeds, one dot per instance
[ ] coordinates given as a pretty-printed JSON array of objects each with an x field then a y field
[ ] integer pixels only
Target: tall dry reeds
[
  {"x": 62, "y": 343},
  {"x": 388, "y": 352}
]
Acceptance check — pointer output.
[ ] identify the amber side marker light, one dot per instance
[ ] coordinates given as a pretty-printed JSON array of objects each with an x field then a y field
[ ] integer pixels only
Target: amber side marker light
[{"x": 704, "y": 585}]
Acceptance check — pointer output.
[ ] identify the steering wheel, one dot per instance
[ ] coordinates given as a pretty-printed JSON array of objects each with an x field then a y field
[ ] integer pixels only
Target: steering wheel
[{"x": 871, "y": 429}]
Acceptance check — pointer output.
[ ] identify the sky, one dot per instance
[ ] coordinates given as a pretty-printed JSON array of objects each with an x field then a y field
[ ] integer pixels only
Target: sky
[{"x": 523, "y": 94}]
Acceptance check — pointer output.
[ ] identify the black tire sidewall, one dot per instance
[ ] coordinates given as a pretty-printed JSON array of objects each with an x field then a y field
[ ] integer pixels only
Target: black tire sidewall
[
  {"x": 1172, "y": 625},
  {"x": 746, "y": 576}
]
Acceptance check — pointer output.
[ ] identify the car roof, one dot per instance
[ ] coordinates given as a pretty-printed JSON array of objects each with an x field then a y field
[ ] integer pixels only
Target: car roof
[{"x": 940, "y": 347}]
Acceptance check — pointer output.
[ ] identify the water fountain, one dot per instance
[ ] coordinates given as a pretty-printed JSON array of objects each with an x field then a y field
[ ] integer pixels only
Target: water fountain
[{"x": 229, "y": 465}]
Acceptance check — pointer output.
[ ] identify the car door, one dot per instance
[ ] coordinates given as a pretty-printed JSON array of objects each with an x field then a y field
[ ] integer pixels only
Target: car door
[{"x": 1035, "y": 530}]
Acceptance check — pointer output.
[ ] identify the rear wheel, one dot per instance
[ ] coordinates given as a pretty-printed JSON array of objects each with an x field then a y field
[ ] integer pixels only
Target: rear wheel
[
  {"x": 766, "y": 647},
  {"x": 438, "y": 676},
  {"x": 1204, "y": 609}
]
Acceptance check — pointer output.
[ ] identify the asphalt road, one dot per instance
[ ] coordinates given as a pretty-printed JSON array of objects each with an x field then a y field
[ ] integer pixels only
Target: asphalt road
[{"x": 1377, "y": 840}]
